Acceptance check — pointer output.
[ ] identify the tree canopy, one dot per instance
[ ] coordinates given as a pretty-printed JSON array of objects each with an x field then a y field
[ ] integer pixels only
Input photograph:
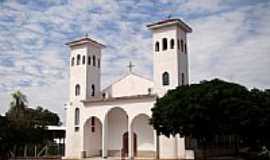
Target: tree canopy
[
  {"x": 24, "y": 125},
  {"x": 212, "y": 108}
]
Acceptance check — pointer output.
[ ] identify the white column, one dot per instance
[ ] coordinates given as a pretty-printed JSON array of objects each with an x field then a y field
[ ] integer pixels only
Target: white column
[
  {"x": 104, "y": 138},
  {"x": 130, "y": 140}
]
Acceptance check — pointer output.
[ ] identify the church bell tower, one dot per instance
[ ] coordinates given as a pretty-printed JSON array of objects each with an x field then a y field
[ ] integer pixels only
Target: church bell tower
[
  {"x": 170, "y": 54},
  {"x": 85, "y": 62}
]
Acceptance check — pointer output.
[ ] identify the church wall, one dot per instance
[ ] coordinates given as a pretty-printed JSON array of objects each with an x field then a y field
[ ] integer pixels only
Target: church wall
[
  {"x": 73, "y": 140},
  {"x": 129, "y": 86},
  {"x": 165, "y": 61},
  {"x": 182, "y": 58},
  {"x": 145, "y": 136},
  {"x": 93, "y": 72},
  {"x": 117, "y": 126},
  {"x": 78, "y": 71},
  {"x": 92, "y": 138}
]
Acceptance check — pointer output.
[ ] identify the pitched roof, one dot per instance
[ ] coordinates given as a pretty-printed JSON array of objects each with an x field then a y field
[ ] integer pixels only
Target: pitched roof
[
  {"x": 84, "y": 41},
  {"x": 125, "y": 76},
  {"x": 166, "y": 22}
]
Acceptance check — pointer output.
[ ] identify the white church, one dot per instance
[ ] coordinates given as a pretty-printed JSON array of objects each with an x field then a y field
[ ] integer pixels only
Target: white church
[{"x": 113, "y": 122}]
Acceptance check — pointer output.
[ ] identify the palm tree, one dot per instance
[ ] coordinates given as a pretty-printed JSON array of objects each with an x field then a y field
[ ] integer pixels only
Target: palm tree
[{"x": 18, "y": 104}]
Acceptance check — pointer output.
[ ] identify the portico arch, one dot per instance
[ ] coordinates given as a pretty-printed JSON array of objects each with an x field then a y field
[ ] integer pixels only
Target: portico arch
[
  {"x": 117, "y": 125},
  {"x": 145, "y": 135},
  {"x": 92, "y": 140}
]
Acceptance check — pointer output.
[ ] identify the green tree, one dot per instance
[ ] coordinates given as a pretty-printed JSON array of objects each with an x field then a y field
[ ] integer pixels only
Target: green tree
[
  {"x": 23, "y": 125},
  {"x": 212, "y": 108}
]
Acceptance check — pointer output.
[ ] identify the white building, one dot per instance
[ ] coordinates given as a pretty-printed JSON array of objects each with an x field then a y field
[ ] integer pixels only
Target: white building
[{"x": 114, "y": 122}]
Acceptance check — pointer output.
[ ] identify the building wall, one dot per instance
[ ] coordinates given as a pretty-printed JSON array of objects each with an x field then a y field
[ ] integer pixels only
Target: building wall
[
  {"x": 130, "y": 85},
  {"x": 173, "y": 61},
  {"x": 137, "y": 112}
]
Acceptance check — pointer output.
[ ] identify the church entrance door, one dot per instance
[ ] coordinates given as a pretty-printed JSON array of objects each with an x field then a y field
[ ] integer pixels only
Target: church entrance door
[{"x": 125, "y": 145}]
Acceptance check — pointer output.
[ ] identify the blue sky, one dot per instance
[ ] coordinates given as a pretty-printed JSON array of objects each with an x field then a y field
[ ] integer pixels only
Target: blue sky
[{"x": 230, "y": 40}]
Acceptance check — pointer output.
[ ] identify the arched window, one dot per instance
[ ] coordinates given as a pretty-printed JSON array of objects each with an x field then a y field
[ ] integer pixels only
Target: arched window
[
  {"x": 77, "y": 116},
  {"x": 72, "y": 61},
  {"x": 89, "y": 60},
  {"x": 98, "y": 64},
  {"x": 94, "y": 61},
  {"x": 183, "y": 78},
  {"x": 157, "y": 46},
  {"x": 178, "y": 44},
  {"x": 83, "y": 60},
  {"x": 172, "y": 43},
  {"x": 164, "y": 44},
  {"x": 93, "y": 90},
  {"x": 185, "y": 48},
  {"x": 165, "y": 78},
  {"x": 77, "y": 90},
  {"x": 182, "y": 45},
  {"x": 78, "y": 59}
]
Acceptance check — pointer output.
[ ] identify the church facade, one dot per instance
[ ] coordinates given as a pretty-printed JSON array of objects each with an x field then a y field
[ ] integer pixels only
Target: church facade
[{"x": 114, "y": 122}]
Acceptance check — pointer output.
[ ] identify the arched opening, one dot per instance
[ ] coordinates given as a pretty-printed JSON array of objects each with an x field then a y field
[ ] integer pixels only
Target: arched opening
[
  {"x": 98, "y": 63},
  {"x": 172, "y": 44},
  {"x": 93, "y": 137},
  {"x": 77, "y": 90},
  {"x": 183, "y": 78},
  {"x": 94, "y": 60},
  {"x": 117, "y": 120},
  {"x": 72, "y": 61},
  {"x": 182, "y": 45},
  {"x": 89, "y": 60},
  {"x": 83, "y": 60},
  {"x": 165, "y": 79},
  {"x": 144, "y": 136},
  {"x": 164, "y": 44},
  {"x": 157, "y": 46},
  {"x": 78, "y": 59},
  {"x": 185, "y": 48},
  {"x": 77, "y": 116},
  {"x": 93, "y": 90}
]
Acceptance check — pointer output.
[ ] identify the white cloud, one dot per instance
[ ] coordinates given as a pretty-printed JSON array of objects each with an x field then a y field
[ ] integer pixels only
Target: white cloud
[{"x": 229, "y": 44}]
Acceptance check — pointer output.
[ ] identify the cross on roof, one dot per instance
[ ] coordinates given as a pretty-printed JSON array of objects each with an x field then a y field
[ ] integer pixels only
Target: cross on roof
[{"x": 130, "y": 66}]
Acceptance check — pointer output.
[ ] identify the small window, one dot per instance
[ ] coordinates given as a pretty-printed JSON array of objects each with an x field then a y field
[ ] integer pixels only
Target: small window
[
  {"x": 78, "y": 59},
  {"x": 164, "y": 44},
  {"x": 77, "y": 129},
  {"x": 83, "y": 60},
  {"x": 72, "y": 61},
  {"x": 182, "y": 45},
  {"x": 93, "y": 129},
  {"x": 157, "y": 47},
  {"x": 77, "y": 90},
  {"x": 77, "y": 116},
  {"x": 89, "y": 60},
  {"x": 172, "y": 43},
  {"x": 186, "y": 48},
  {"x": 165, "y": 78},
  {"x": 178, "y": 44},
  {"x": 94, "y": 60},
  {"x": 183, "y": 78},
  {"x": 92, "y": 121},
  {"x": 98, "y": 63},
  {"x": 93, "y": 90}
]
